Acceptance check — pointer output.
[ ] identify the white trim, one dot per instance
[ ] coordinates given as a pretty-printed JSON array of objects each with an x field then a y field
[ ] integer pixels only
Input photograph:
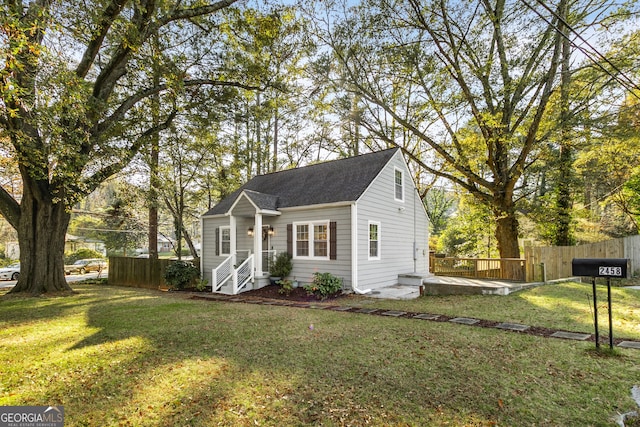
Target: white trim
[
  {"x": 268, "y": 212},
  {"x": 220, "y": 240},
  {"x": 397, "y": 169},
  {"x": 233, "y": 234},
  {"x": 257, "y": 244},
  {"x": 378, "y": 257},
  {"x": 354, "y": 251},
  {"x": 311, "y": 225},
  {"x": 202, "y": 247},
  {"x": 237, "y": 200}
]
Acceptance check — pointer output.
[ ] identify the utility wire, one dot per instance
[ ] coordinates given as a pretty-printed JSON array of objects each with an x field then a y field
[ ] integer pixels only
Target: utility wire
[{"x": 625, "y": 81}]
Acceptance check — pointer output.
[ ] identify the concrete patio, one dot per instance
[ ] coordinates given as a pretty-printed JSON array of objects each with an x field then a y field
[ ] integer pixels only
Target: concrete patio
[{"x": 443, "y": 285}]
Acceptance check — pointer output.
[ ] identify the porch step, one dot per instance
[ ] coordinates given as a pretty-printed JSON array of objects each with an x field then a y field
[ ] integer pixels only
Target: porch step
[{"x": 227, "y": 288}]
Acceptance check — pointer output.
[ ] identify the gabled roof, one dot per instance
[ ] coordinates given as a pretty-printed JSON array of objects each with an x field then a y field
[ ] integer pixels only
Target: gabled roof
[{"x": 335, "y": 181}]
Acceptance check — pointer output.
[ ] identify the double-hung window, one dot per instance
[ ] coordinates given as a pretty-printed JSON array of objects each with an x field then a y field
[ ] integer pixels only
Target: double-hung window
[
  {"x": 225, "y": 240},
  {"x": 398, "y": 184},
  {"x": 311, "y": 240},
  {"x": 374, "y": 240}
]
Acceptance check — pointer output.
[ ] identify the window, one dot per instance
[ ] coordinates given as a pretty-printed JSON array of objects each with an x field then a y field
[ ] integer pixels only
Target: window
[
  {"x": 302, "y": 240},
  {"x": 225, "y": 240},
  {"x": 374, "y": 240},
  {"x": 311, "y": 240},
  {"x": 320, "y": 242},
  {"x": 399, "y": 185}
]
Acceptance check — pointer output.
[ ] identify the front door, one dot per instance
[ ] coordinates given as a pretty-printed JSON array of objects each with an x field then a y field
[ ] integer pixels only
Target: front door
[{"x": 266, "y": 242}]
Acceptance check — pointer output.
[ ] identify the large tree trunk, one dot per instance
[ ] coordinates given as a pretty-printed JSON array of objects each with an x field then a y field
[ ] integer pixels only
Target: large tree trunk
[
  {"x": 41, "y": 232},
  {"x": 506, "y": 228}
]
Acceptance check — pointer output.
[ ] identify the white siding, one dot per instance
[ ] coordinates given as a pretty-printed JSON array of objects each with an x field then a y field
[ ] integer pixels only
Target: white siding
[
  {"x": 401, "y": 224},
  {"x": 303, "y": 269},
  {"x": 209, "y": 258}
]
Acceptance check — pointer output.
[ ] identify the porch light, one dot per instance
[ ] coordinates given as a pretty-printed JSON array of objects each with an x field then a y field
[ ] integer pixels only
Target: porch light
[
  {"x": 271, "y": 231},
  {"x": 250, "y": 232}
]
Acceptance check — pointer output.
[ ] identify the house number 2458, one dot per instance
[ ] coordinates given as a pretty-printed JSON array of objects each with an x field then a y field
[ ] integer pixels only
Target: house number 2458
[{"x": 610, "y": 271}]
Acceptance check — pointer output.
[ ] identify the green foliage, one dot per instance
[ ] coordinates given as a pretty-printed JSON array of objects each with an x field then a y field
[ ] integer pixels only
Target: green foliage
[
  {"x": 324, "y": 285},
  {"x": 179, "y": 274},
  {"x": 470, "y": 233},
  {"x": 82, "y": 253},
  {"x": 282, "y": 265},
  {"x": 286, "y": 286},
  {"x": 201, "y": 285},
  {"x": 439, "y": 205}
]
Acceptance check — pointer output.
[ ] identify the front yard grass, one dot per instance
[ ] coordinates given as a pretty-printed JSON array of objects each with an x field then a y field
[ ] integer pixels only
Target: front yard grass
[
  {"x": 132, "y": 357},
  {"x": 566, "y": 306}
]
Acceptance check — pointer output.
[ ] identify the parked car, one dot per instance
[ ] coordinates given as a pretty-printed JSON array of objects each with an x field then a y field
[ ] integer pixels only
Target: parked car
[
  {"x": 83, "y": 266},
  {"x": 11, "y": 272}
]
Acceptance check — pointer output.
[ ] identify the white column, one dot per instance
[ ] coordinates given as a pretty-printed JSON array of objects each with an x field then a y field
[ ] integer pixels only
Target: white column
[
  {"x": 232, "y": 236},
  {"x": 257, "y": 244}
]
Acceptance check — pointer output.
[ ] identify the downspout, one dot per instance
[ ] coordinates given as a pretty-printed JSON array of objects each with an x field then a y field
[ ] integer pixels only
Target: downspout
[{"x": 354, "y": 251}]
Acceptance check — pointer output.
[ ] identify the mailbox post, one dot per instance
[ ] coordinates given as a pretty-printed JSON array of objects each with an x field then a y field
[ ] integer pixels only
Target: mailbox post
[{"x": 600, "y": 267}]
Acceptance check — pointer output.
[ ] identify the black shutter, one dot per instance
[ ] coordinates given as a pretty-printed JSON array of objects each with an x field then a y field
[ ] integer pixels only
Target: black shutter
[
  {"x": 290, "y": 239},
  {"x": 217, "y": 241},
  {"x": 333, "y": 240}
]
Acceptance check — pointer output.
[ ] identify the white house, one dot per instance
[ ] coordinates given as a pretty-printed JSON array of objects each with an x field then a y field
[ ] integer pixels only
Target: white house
[{"x": 359, "y": 218}]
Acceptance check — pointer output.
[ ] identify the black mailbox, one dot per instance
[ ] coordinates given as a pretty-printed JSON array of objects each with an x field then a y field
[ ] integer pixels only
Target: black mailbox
[{"x": 600, "y": 267}]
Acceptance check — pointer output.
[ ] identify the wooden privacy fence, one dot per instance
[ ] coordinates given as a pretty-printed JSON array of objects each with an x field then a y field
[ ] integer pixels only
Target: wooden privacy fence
[
  {"x": 554, "y": 262},
  {"x": 480, "y": 268},
  {"x": 137, "y": 272}
]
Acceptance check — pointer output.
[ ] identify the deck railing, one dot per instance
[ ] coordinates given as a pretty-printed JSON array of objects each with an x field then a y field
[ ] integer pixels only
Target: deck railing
[{"x": 480, "y": 268}]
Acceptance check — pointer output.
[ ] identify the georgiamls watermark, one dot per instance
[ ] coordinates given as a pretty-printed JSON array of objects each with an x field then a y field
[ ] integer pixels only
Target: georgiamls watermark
[{"x": 31, "y": 416}]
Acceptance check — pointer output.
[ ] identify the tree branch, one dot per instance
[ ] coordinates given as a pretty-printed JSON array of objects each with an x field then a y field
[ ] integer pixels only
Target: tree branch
[
  {"x": 102, "y": 127},
  {"x": 105, "y": 21},
  {"x": 9, "y": 208},
  {"x": 97, "y": 178}
]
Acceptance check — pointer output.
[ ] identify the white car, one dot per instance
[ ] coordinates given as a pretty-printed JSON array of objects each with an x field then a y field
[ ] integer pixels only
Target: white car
[{"x": 11, "y": 272}]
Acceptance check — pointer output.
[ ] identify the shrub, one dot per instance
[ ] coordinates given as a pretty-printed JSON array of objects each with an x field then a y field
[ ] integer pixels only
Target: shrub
[
  {"x": 179, "y": 274},
  {"x": 286, "y": 286},
  {"x": 82, "y": 253},
  {"x": 282, "y": 265},
  {"x": 324, "y": 285}
]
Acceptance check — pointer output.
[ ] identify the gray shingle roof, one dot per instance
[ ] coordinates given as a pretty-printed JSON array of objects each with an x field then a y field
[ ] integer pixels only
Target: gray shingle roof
[{"x": 341, "y": 180}]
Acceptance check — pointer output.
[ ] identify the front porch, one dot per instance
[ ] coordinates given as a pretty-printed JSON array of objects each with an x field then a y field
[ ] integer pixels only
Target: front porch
[
  {"x": 247, "y": 244},
  {"x": 238, "y": 273}
]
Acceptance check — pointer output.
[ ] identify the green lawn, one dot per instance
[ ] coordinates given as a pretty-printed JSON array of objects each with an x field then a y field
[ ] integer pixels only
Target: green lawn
[{"x": 130, "y": 357}]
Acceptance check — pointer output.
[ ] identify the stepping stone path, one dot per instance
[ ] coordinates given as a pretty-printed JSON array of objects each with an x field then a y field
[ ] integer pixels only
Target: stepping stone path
[
  {"x": 464, "y": 320},
  {"x": 426, "y": 316},
  {"x": 394, "y": 313},
  {"x": 513, "y": 327},
  {"x": 630, "y": 344},
  {"x": 571, "y": 336}
]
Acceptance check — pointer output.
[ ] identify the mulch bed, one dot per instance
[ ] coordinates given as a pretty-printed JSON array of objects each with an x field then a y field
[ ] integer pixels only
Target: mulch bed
[{"x": 297, "y": 295}]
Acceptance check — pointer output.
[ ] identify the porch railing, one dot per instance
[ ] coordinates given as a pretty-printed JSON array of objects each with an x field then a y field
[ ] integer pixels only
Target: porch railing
[
  {"x": 243, "y": 275},
  {"x": 222, "y": 273},
  {"x": 480, "y": 268}
]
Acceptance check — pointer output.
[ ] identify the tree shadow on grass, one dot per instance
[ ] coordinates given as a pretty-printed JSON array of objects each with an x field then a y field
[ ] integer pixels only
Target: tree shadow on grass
[
  {"x": 267, "y": 365},
  {"x": 160, "y": 360}
]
